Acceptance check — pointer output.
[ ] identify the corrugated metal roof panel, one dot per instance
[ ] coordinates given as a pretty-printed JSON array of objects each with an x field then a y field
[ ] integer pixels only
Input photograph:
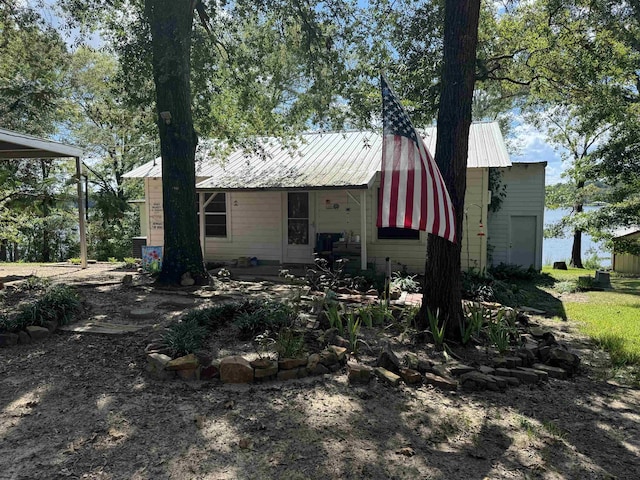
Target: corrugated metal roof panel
[{"x": 322, "y": 160}]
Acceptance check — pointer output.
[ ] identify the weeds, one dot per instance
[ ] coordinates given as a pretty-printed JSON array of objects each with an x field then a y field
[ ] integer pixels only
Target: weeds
[
  {"x": 475, "y": 321},
  {"x": 289, "y": 344},
  {"x": 406, "y": 283},
  {"x": 500, "y": 332},
  {"x": 185, "y": 337},
  {"x": 353, "y": 329}
]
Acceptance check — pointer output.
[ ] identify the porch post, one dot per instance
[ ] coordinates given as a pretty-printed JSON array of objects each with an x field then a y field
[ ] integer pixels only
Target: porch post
[
  {"x": 202, "y": 222},
  {"x": 81, "y": 216},
  {"x": 363, "y": 229}
]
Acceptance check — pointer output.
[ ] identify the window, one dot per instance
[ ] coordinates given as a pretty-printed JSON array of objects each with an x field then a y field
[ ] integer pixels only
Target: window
[
  {"x": 393, "y": 233},
  {"x": 298, "y": 218},
  {"x": 215, "y": 214}
]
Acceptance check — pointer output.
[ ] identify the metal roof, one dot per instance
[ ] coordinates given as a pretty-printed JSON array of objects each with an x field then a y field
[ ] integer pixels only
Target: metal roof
[
  {"x": 625, "y": 232},
  {"x": 321, "y": 160},
  {"x": 19, "y": 145}
]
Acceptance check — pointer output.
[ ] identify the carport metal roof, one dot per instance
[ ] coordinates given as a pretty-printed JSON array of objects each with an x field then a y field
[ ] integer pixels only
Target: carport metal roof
[{"x": 14, "y": 145}]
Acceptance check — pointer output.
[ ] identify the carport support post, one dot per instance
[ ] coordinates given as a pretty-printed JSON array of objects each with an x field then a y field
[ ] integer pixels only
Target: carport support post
[
  {"x": 363, "y": 230},
  {"x": 81, "y": 215},
  {"x": 203, "y": 237}
]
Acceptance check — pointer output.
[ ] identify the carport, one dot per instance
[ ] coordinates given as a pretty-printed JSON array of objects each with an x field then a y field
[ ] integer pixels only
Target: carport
[{"x": 14, "y": 145}]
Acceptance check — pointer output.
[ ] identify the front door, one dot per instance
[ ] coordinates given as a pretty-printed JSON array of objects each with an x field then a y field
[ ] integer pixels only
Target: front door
[
  {"x": 298, "y": 228},
  {"x": 523, "y": 240}
]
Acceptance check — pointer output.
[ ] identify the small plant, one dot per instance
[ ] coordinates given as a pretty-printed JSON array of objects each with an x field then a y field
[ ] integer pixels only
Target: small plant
[
  {"x": 406, "y": 283},
  {"x": 257, "y": 316},
  {"x": 335, "y": 317},
  {"x": 380, "y": 314},
  {"x": 75, "y": 261},
  {"x": 263, "y": 343},
  {"x": 475, "y": 321},
  {"x": 323, "y": 276},
  {"x": 185, "y": 337},
  {"x": 566, "y": 287},
  {"x": 289, "y": 344},
  {"x": 365, "y": 316},
  {"x": 112, "y": 260},
  {"x": 500, "y": 332},
  {"x": 130, "y": 262},
  {"x": 437, "y": 331},
  {"x": 353, "y": 329},
  {"x": 34, "y": 282}
]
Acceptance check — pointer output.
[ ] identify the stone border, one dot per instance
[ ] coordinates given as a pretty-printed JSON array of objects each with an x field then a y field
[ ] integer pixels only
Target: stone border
[{"x": 30, "y": 334}]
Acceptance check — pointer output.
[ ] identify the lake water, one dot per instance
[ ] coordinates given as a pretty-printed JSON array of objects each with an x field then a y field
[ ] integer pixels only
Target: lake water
[{"x": 559, "y": 249}]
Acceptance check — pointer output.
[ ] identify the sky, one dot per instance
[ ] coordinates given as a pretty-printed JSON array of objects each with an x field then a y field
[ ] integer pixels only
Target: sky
[{"x": 534, "y": 148}]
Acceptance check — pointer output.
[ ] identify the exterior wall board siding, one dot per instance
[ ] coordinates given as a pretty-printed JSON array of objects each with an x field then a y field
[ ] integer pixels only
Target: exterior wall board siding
[
  {"x": 627, "y": 263},
  {"x": 524, "y": 197}
]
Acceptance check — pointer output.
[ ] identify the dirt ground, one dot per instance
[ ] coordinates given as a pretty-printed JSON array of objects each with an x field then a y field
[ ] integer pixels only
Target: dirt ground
[{"x": 80, "y": 405}]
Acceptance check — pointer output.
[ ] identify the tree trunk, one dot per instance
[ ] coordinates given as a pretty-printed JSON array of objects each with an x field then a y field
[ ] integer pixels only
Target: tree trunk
[
  {"x": 576, "y": 249},
  {"x": 443, "y": 283},
  {"x": 171, "y": 24}
]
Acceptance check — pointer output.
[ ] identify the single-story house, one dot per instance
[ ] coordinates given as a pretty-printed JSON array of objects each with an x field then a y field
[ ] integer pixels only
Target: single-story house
[
  {"x": 626, "y": 262},
  {"x": 281, "y": 203}
]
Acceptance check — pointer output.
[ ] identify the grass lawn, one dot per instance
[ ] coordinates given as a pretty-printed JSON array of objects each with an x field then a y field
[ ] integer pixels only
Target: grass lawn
[{"x": 611, "y": 318}]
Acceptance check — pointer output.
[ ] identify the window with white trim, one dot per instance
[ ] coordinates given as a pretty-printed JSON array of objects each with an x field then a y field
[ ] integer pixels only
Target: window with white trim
[{"x": 215, "y": 214}]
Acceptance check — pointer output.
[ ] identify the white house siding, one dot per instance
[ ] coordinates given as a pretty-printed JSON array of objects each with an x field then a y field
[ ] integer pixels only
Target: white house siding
[
  {"x": 627, "y": 263},
  {"x": 254, "y": 226},
  {"x": 412, "y": 252},
  {"x": 337, "y": 211},
  {"x": 524, "y": 197},
  {"x": 155, "y": 214}
]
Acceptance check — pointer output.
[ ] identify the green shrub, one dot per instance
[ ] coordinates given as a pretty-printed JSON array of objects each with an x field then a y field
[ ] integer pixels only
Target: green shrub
[
  {"x": 33, "y": 282},
  {"x": 130, "y": 262},
  {"x": 59, "y": 303},
  {"x": 256, "y": 316},
  {"x": 75, "y": 261},
  {"x": 185, "y": 337},
  {"x": 500, "y": 331},
  {"x": 406, "y": 283},
  {"x": 567, "y": 286},
  {"x": 511, "y": 272},
  {"x": 585, "y": 283},
  {"x": 112, "y": 260}
]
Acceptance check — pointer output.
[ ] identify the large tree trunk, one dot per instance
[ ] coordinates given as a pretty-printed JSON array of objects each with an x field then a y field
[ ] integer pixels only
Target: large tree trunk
[
  {"x": 576, "y": 249},
  {"x": 171, "y": 23},
  {"x": 442, "y": 289}
]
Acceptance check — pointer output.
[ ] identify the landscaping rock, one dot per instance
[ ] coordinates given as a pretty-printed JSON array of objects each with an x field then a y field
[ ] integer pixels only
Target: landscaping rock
[
  {"x": 388, "y": 360},
  {"x": 210, "y": 371},
  {"x": 291, "y": 363},
  {"x": 527, "y": 356},
  {"x": 486, "y": 370},
  {"x": 441, "y": 370},
  {"x": 547, "y": 340},
  {"x": 187, "y": 362},
  {"x": 186, "y": 280},
  {"x": 410, "y": 376},
  {"x": 236, "y": 369},
  {"x": 328, "y": 358},
  {"x": 23, "y": 337},
  {"x": 553, "y": 372},
  {"x": 261, "y": 363},
  {"x": 387, "y": 376},
  {"x": 559, "y": 357},
  {"x": 38, "y": 333},
  {"x": 511, "y": 381},
  {"x": 292, "y": 374},
  {"x": 266, "y": 371},
  {"x": 318, "y": 369},
  {"x": 157, "y": 348},
  {"x": 142, "y": 313},
  {"x": 474, "y": 381},
  {"x": 188, "y": 374},
  {"x": 542, "y": 375},
  {"x": 513, "y": 362},
  {"x": 524, "y": 376},
  {"x": 156, "y": 363},
  {"x": 52, "y": 325},
  {"x": 458, "y": 370},
  {"x": 357, "y": 373},
  {"x": 543, "y": 353},
  {"x": 440, "y": 382},
  {"x": 127, "y": 279},
  {"x": 411, "y": 360},
  {"x": 340, "y": 352}
]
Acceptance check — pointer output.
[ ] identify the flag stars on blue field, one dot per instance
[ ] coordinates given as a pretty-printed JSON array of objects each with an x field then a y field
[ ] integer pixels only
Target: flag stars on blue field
[{"x": 395, "y": 119}]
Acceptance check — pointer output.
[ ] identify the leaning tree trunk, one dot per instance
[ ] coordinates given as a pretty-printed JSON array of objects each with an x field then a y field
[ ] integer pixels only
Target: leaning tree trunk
[
  {"x": 443, "y": 284},
  {"x": 170, "y": 22},
  {"x": 576, "y": 249}
]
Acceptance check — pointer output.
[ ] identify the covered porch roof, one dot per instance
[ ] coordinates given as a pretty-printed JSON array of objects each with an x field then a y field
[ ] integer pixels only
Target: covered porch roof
[{"x": 14, "y": 145}]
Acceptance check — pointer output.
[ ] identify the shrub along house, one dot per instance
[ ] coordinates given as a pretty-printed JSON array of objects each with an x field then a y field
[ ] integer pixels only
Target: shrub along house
[{"x": 281, "y": 203}]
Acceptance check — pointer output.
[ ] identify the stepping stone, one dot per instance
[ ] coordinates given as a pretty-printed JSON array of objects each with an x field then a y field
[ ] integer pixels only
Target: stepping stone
[
  {"x": 142, "y": 313},
  {"x": 103, "y": 328}
]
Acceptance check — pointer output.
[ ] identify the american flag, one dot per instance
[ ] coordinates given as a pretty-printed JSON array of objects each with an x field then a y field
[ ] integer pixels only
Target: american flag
[{"x": 412, "y": 191}]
